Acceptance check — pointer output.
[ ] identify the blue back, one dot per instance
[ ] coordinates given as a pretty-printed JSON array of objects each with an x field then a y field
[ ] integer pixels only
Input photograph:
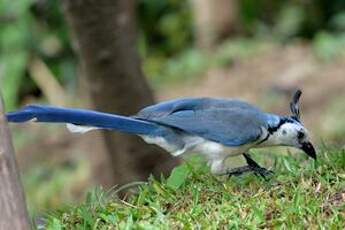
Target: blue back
[
  {"x": 227, "y": 121},
  {"x": 198, "y": 103}
]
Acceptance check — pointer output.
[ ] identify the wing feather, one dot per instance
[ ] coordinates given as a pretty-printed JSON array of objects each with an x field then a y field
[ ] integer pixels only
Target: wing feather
[{"x": 227, "y": 121}]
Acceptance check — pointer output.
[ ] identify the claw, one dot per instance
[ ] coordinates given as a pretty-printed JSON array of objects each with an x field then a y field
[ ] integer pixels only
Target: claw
[{"x": 264, "y": 173}]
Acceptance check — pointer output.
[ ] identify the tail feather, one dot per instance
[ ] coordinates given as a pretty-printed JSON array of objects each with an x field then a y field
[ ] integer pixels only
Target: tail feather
[{"x": 82, "y": 117}]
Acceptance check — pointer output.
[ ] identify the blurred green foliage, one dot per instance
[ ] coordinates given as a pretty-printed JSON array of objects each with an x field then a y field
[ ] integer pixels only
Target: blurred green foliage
[
  {"x": 192, "y": 62},
  {"x": 37, "y": 28},
  {"x": 14, "y": 39},
  {"x": 304, "y": 18},
  {"x": 328, "y": 46},
  {"x": 165, "y": 26},
  {"x": 32, "y": 28}
]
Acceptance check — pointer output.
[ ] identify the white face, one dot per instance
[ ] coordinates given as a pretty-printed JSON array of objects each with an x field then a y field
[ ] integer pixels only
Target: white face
[{"x": 292, "y": 134}]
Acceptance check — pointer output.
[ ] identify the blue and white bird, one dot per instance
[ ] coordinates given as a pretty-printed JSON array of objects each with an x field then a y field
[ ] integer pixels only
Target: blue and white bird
[{"x": 214, "y": 127}]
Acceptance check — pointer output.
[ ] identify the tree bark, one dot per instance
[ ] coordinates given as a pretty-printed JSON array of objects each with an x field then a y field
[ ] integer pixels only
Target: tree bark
[
  {"x": 105, "y": 39},
  {"x": 214, "y": 20},
  {"x": 13, "y": 214}
]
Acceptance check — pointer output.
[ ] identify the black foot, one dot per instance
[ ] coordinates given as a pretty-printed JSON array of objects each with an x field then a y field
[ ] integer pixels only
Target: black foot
[
  {"x": 239, "y": 171},
  {"x": 251, "y": 167}
]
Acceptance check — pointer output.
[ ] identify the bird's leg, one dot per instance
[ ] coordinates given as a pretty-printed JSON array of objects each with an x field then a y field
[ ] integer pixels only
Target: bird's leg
[
  {"x": 251, "y": 167},
  {"x": 258, "y": 170}
]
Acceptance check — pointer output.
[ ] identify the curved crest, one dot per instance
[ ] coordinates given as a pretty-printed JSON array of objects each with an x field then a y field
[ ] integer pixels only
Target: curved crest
[{"x": 294, "y": 105}]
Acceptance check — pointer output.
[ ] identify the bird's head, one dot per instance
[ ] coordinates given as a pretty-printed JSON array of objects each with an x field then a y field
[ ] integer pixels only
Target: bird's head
[{"x": 291, "y": 131}]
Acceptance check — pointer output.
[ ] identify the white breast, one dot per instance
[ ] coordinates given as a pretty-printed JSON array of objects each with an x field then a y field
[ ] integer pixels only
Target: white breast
[
  {"x": 213, "y": 151},
  {"x": 209, "y": 149}
]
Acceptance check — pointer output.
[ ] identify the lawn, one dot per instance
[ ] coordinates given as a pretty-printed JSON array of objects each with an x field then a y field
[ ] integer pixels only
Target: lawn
[{"x": 302, "y": 194}]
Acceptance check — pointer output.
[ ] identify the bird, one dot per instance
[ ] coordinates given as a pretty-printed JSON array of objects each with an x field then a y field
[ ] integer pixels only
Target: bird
[{"x": 216, "y": 128}]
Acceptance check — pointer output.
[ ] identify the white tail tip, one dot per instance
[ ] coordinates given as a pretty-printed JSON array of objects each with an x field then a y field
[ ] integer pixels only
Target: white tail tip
[{"x": 79, "y": 128}]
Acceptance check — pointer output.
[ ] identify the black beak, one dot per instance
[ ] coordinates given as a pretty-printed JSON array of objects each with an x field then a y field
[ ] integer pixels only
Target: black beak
[{"x": 309, "y": 149}]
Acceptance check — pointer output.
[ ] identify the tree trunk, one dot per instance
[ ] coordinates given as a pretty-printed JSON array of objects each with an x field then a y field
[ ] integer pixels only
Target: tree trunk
[
  {"x": 13, "y": 214},
  {"x": 214, "y": 20},
  {"x": 105, "y": 39}
]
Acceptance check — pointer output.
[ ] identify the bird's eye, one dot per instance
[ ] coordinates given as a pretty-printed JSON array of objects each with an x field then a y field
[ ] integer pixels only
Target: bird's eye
[{"x": 300, "y": 135}]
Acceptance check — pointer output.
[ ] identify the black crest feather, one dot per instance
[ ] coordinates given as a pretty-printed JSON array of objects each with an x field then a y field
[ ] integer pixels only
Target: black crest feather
[{"x": 294, "y": 105}]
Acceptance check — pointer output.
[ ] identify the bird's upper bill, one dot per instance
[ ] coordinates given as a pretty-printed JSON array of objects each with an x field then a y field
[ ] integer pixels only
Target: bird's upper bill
[{"x": 309, "y": 149}]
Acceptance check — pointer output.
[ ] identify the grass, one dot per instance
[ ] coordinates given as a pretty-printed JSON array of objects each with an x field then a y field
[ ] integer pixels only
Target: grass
[{"x": 301, "y": 195}]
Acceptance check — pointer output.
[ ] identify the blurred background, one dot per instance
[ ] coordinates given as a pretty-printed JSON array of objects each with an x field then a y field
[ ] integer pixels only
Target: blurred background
[{"x": 120, "y": 55}]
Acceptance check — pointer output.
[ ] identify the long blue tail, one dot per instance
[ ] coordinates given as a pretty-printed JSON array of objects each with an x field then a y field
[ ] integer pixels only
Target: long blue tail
[{"x": 43, "y": 113}]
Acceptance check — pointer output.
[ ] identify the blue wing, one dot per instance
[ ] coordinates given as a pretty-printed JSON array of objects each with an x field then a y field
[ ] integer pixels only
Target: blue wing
[
  {"x": 227, "y": 121},
  {"x": 184, "y": 104}
]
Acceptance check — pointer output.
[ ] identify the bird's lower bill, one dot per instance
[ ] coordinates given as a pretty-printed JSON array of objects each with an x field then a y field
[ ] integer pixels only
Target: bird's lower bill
[{"x": 309, "y": 149}]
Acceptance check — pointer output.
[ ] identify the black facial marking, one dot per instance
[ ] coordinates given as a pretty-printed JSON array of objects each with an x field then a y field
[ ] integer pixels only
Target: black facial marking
[
  {"x": 265, "y": 139},
  {"x": 284, "y": 132},
  {"x": 295, "y": 118},
  {"x": 282, "y": 121}
]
